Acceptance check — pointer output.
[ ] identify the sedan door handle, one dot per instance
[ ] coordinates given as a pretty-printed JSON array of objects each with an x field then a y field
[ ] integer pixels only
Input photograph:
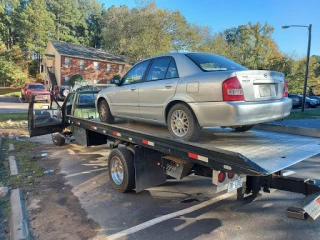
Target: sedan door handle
[
  {"x": 168, "y": 85},
  {"x": 133, "y": 88}
]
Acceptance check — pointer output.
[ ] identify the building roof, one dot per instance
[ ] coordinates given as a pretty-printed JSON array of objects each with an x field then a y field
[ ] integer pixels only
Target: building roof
[{"x": 69, "y": 49}]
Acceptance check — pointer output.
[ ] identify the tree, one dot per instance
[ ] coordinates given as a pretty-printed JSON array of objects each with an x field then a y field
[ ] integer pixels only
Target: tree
[
  {"x": 38, "y": 24},
  {"x": 9, "y": 14},
  {"x": 75, "y": 78},
  {"x": 94, "y": 19},
  {"x": 297, "y": 74},
  {"x": 68, "y": 20},
  {"x": 13, "y": 70}
]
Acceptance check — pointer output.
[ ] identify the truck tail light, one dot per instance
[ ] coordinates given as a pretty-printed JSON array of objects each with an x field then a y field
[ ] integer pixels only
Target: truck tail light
[
  {"x": 221, "y": 177},
  {"x": 232, "y": 90},
  {"x": 285, "y": 91},
  {"x": 230, "y": 175}
]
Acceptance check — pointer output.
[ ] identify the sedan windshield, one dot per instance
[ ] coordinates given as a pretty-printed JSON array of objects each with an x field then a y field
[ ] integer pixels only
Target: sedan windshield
[
  {"x": 36, "y": 87},
  {"x": 210, "y": 62}
]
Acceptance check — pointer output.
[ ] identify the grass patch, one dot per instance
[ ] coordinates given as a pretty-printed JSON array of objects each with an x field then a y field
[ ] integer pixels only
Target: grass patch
[
  {"x": 5, "y": 208},
  {"x": 13, "y": 117},
  {"x": 8, "y": 90},
  {"x": 13, "y": 120},
  {"x": 307, "y": 114},
  {"x": 12, "y": 94},
  {"x": 29, "y": 170}
]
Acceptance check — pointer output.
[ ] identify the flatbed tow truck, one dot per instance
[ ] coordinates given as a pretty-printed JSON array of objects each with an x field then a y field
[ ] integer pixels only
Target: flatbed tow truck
[{"x": 144, "y": 155}]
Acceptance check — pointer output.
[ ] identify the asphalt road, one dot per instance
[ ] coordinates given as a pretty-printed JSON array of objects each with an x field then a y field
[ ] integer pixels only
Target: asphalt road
[
  {"x": 12, "y": 105},
  {"x": 179, "y": 210}
]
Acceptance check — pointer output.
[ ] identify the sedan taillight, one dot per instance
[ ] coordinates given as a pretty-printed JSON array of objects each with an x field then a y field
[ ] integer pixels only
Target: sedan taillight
[
  {"x": 232, "y": 90},
  {"x": 285, "y": 91}
]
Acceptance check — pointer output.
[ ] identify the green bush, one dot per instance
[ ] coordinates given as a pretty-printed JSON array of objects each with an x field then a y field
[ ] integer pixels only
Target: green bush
[{"x": 75, "y": 78}]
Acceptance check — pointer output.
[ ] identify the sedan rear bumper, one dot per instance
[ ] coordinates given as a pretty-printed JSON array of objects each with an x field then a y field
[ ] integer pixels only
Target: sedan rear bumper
[{"x": 240, "y": 113}]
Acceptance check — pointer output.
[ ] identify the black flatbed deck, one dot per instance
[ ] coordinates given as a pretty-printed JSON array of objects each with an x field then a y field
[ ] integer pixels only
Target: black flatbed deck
[{"x": 255, "y": 153}]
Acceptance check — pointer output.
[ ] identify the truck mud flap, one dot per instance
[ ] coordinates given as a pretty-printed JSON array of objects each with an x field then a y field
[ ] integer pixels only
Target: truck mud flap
[{"x": 307, "y": 209}]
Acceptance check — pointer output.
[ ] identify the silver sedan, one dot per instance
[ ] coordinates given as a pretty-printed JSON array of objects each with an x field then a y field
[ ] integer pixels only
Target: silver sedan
[{"x": 189, "y": 91}]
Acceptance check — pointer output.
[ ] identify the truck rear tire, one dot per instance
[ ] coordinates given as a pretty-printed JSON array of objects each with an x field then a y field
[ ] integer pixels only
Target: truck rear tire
[
  {"x": 57, "y": 139},
  {"x": 121, "y": 169},
  {"x": 104, "y": 112}
]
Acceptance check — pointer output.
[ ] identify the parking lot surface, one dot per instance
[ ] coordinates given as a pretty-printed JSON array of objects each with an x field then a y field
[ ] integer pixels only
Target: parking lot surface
[{"x": 185, "y": 209}]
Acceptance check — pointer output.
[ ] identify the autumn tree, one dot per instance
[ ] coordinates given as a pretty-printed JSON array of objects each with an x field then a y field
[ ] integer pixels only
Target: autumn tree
[{"x": 37, "y": 23}]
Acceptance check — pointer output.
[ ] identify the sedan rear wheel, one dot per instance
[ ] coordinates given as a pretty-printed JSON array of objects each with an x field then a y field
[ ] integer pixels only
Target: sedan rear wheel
[
  {"x": 182, "y": 123},
  {"x": 104, "y": 112}
]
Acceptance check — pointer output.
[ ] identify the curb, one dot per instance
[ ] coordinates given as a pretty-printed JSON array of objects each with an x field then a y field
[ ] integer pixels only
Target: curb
[
  {"x": 310, "y": 132},
  {"x": 19, "y": 229},
  {"x": 13, "y": 165}
]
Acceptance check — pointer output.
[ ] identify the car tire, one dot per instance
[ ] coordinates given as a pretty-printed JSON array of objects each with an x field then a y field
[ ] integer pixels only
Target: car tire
[
  {"x": 177, "y": 116},
  {"x": 243, "y": 128},
  {"x": 104, "y": 112},
  {"x": 57, "y": 139},
  {"x": 121, "y": 169},
  {"x": 307, "y": 105}
]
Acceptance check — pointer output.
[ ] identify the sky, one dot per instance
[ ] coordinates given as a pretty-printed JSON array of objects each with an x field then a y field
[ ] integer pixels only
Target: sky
[{"x": 222, "y": 14}]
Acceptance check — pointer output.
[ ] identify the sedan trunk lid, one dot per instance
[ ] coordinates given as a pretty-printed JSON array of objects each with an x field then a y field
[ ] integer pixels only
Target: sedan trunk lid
[{"x": 261, "y": 85}]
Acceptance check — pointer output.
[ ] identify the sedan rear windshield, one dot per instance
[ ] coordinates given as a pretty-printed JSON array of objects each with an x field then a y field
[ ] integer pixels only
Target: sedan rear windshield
[
  {"x": 210, "y": 62},
  {"x": 36, "y": 87}
]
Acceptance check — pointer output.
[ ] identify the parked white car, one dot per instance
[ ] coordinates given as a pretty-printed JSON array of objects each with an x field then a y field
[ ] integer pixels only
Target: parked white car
[{"x": 189, "y": 91}]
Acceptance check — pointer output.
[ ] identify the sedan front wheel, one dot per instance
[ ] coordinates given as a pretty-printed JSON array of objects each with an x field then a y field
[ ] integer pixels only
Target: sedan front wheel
[
  {"x": 104, "y": 112},
  {"x": 182, "y": 123}
]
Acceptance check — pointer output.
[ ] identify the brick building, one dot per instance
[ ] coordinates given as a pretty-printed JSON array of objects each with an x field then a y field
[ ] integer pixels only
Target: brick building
[{"x": 63, "y": 60}]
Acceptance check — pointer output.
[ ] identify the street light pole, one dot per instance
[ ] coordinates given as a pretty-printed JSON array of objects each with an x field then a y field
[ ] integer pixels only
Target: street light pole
[
  {"x": 307, "y": 71},
  {"x": 305, "y": 85}
]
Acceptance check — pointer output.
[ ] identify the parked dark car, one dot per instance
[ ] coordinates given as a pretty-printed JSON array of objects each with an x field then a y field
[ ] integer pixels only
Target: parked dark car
[
  {"x": 316, "y": 98},
  {"x": 297, "y": 101},
  {"x": 61, "y": 92}
]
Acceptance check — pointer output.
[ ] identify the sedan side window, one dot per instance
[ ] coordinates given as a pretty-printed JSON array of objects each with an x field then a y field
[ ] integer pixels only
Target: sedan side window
[
  {"x": 136, "y": 74},
  {"x": 158, "y": 68},
  {"x": 172, "y": 70}
]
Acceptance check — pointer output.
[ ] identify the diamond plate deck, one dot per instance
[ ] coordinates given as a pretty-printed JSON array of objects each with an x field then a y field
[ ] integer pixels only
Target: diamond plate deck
[{"x": 268, "y": 152}]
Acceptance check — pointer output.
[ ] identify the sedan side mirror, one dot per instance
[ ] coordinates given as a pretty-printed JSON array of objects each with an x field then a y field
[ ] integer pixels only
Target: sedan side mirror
[{"x": 116, "y": 81}]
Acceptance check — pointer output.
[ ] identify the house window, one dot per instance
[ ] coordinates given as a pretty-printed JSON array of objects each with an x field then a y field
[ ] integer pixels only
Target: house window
[
  {"x": 96, "y": 66},
  {"x": 120, "y": 68},
  {"x": 95, "y": 81},
  {"x": 66, "y": 79},
  {"x": 81, "y": 64},
  {"x": 67, "y": 62},
  {"x": 108, "y": 67}
]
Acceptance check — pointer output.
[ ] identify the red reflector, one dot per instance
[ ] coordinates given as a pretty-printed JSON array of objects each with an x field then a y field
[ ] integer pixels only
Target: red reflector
[
  {"x": 145, "y": 142},
  {"x": 158, "y": 164},
  {"x": 114, "y": 133},
  {"x": 192, "y": 155},
  {"x": 230, "y": 175},
  {"x": 93, "y": 127},
  {"x": 318, "y": 200},
  {"x": 221, "y": 177},
  {"x": 232, "y": 90},
  {"x": 286, "y": 89}
]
